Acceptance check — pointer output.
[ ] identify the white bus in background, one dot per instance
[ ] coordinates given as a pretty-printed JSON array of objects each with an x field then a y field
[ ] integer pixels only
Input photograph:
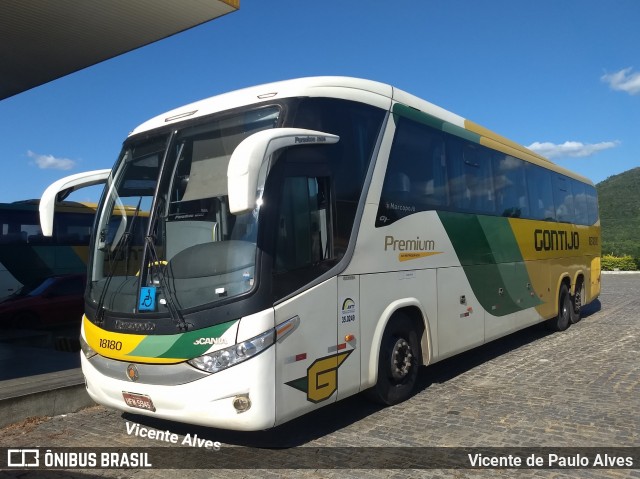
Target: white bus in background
[{"x": 310, "y": 239}]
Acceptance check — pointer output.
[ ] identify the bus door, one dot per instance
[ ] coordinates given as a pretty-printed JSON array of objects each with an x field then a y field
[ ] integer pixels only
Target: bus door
[
  {"x": 307, "y": 359},
  {"x": 320, "y": 362}
]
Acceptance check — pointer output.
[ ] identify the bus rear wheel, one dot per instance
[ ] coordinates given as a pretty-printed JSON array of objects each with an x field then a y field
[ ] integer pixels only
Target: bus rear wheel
[
  {"x": 576, "y": 302},
  {"x": 565, "y": 306},
  {"x": 398, "y": 362}
]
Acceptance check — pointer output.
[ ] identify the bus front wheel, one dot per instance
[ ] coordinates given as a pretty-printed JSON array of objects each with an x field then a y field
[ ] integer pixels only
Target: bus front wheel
[
  {"x": 565, "y": 307},
  {"x": 398, "y": 362}
]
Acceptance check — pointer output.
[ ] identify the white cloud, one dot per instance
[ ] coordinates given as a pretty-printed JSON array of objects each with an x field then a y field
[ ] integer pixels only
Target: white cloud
[
  {"x": 574, "y": 149},
  {"x": 624, "y": 80},
  {"x": 50, "y": 162}
]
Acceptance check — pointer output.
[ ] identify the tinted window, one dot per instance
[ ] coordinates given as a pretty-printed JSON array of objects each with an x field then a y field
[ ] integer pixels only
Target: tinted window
[
  {"x": 580, "y": 202},
  {"x": 358, "y": 126},
  {"x": 592, "y": 204},
  {"x": 541, "y": 206},
  {"x": 24, "y": 226},
  {"x": 510, "y": 186},
  {"x": 475, "y": 185},
  {"x": 305, "y": 228},
  {"x": 304, "y": 232},
  {"x": 430, "y": 169},
  {"x": 74, "y": 228},
  {"x": 416, "y": 175},
  {"x": 19, "y": 226},
  {"x": 563, "y": 199}
]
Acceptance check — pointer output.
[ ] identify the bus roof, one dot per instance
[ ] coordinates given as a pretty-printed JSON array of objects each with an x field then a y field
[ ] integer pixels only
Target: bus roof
[
  {"x": 309, "y": 87},
  {"x": 366, "y": 91},
  {"x": 63, "y": 206}
]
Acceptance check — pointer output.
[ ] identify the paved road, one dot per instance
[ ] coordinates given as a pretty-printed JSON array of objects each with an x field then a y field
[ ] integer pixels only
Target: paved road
[{"x": 580, "y": 388}]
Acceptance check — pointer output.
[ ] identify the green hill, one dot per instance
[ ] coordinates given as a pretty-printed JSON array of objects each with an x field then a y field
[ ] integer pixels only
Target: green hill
[{"x": 619, "y": 198}]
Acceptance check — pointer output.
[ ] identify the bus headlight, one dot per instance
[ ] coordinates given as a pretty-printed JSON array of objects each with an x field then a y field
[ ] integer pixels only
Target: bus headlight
[
  {"x": 225, "y": 358},
  {"x": 86, "y": 349}
]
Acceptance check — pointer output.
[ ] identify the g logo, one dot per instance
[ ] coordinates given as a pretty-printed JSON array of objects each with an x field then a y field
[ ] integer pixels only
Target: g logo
[{"x": 322, "y": 377}]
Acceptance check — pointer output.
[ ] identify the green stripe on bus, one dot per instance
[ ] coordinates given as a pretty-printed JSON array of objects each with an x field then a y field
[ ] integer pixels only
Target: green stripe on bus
[
  {"x": 154, "y": 346},
  {"x": 434, "y": 122},
  {"x": 179, "y": 345},
  {"x": 461, "y": 132},
  {"x": 500, "y": 238},
  {"x": 489, "y": 254}
]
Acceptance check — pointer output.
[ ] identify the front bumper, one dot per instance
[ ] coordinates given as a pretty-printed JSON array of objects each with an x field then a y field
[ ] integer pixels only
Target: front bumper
[{"x": 207, "y": 401}]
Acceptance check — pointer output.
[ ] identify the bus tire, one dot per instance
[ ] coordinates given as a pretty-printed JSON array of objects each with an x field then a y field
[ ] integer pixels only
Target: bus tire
[
  {"x": 398, "y": 362},
  {"x": 576, "y": 302},
  {"x": 563, "y": 320}
]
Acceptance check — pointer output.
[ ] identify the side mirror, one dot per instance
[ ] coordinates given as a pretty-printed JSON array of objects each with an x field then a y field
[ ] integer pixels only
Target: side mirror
[
  {"x": 60, "y": 189},
  {"x": 252, "y": 152}
]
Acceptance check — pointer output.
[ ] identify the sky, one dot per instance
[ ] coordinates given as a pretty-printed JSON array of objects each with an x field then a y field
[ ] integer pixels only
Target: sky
[{"x": 561, "y": 77}]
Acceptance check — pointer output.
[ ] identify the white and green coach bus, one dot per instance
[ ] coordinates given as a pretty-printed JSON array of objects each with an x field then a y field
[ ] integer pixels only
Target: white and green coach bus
[{"x": 310, "y": 239}]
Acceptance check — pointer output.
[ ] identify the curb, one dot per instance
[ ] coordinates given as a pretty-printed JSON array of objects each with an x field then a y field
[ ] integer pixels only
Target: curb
[{"x": 49, "y": 394}]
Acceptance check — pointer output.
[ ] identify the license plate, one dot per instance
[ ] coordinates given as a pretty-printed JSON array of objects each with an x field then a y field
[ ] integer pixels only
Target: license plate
[{"x": 139, "y": 401}]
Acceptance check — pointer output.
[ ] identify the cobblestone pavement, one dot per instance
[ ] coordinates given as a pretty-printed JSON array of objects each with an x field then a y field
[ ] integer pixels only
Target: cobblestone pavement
[{"x": 580, "y": 388}]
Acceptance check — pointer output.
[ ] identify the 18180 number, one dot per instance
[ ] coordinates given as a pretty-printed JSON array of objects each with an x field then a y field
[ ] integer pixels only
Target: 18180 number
[{"x": 110, "y": 344}]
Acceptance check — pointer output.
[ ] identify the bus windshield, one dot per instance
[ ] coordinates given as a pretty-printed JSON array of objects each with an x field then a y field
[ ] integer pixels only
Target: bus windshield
[{"x": 166, "y": 240}]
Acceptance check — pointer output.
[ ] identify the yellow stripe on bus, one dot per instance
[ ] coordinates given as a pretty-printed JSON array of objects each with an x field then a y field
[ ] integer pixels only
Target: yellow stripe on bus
[{"x": 118, "y": 345}]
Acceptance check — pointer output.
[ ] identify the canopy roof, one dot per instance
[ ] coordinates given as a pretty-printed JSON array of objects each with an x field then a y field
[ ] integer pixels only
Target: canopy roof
[{"x": 41, "y": 40}]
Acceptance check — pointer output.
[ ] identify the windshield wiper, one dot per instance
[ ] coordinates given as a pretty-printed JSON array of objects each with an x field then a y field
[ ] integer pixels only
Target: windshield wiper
[
  {"x": 160, "y": 265},
  {"x": 125, "y": 240},
  {"x": 155, "y": 261}
]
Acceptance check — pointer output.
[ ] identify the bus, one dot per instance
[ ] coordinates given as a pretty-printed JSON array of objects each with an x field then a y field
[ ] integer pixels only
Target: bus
[
  {"x": 314, "y": 238},
  {"x": 27, "y": 257}
]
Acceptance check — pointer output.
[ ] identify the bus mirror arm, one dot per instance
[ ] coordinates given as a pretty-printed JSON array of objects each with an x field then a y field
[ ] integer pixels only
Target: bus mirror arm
[
  {"x": 61, "y": 189},
  {"x": 252, "y": 152}
]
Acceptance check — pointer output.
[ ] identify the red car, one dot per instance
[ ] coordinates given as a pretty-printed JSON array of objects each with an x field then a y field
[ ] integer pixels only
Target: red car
[{"x": 57, "y": 300}]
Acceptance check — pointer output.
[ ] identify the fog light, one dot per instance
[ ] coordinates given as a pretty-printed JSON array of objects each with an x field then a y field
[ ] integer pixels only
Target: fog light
[{"x": 242, "y": 403}]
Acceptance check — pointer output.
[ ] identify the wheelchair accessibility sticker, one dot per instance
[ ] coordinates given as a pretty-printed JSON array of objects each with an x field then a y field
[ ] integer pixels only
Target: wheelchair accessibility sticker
[{"x": 147, "y": 300}]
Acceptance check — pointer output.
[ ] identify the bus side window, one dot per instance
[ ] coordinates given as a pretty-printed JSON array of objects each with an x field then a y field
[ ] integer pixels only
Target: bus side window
[
  {"x": 563, "y": 199},
  {"x": 470, "y": 177},
  {"x": 580, "y": 202},
  {"x": 74, "y": 228},
  {"x": 540, "y": 190},
  {"x": 479, "y": 179},
  {"x": 20, "y": 237},
  {"x": 592, "y": 204},
  {"x": 416, "y": 177},
  {"x": 303, "y": 230},
  {"x": 460, "y": 196},
  {"x": 509, "y": 182},
  {"x": 357, "y": 125},
  {"x": 429, "y": 184}
]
